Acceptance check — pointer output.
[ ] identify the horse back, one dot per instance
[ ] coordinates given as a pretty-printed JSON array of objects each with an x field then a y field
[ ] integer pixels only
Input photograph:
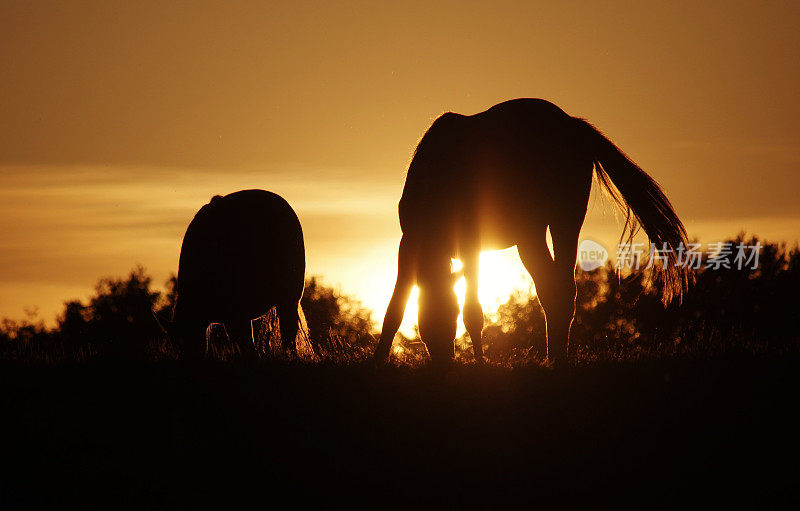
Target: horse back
[{"x": 243, "y": 251}]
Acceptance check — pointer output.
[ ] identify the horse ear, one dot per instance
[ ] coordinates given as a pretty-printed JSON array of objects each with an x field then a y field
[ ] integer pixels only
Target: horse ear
[{"x": 166, "y": 325}]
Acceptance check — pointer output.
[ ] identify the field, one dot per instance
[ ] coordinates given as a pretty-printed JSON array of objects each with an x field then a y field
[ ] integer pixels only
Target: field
[
  {"x": 611, "y": 187},
  {"x": 639, "y": 434},
  {"x": 659, "y": 407}
]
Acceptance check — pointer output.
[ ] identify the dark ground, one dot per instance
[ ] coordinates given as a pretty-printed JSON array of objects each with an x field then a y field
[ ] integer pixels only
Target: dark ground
[{"x": 649, "y": 434}]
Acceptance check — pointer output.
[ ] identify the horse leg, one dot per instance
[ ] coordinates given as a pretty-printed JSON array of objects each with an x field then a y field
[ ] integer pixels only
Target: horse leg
[
  {"x": 555, "y": 284},
  {"x": 192, "y": 341},
  {"x": 289, "y": 320},
  {"x": 241, "y": 330},
  {"x": 473, "y": 312},
  {"x": 438, "y": 315},
  {"x": 400, "y": 296}
]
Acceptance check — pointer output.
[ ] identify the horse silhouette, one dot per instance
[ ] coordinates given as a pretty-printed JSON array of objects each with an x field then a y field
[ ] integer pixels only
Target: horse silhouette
[
  {"x": 242, "y": 254},
  {"x": 501, "y": 178}
]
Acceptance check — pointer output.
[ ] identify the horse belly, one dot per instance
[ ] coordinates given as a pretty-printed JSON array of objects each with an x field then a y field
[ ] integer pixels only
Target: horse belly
[{"x": 494, "y": 217}]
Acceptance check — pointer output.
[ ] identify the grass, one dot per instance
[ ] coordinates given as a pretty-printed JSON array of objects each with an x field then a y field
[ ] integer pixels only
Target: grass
[
  {"x": 636, "y": 433},
  {"x": 689, "y": 405}
]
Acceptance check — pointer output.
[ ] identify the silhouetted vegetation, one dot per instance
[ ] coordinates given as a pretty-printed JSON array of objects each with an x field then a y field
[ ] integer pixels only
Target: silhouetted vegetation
[
  {"x": 619, "y": 317},
  {"x": 338, "y": 324},
  {"x": 117, "y": 321},
  {"x": 659, "y": 428}
]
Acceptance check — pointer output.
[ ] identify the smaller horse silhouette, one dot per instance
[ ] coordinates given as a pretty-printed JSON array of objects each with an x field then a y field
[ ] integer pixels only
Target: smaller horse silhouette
[
  {"x": 501, "y": 178},
  {"x": 242, "y": 254}
]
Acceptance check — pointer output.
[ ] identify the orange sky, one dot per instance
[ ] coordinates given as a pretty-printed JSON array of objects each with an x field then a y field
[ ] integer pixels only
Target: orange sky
[{"x": 120, "y": 119}]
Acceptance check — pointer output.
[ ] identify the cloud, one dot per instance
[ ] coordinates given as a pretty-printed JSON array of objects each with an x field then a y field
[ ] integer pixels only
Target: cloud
[{"x": 64, "y": 226}]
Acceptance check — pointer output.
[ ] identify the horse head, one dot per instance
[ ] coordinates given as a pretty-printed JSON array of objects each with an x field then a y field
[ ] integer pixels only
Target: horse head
[{"x": 438, "y": 310}]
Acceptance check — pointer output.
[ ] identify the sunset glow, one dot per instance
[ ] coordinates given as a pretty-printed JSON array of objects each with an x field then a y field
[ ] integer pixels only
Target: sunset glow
[
  {"x": 222, "y": 223},
  {"x": 501, "y": 273},
  {"x": 118, "y": 128}
]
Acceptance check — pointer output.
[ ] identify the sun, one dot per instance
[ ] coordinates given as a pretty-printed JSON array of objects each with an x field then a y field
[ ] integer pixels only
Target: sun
[{"x": 501, "y": 274}]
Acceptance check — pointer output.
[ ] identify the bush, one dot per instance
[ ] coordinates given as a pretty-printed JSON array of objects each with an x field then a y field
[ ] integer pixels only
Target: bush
[
  {"x": 723, "y": 311},
  {"x": 617, "y": 317},
  {"x": 339, "y": 326}
]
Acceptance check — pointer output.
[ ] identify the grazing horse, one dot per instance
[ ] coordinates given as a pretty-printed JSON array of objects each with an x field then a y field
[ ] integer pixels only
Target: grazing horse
[
  {"x": 501, "y": 178},
  {"x": 242, "y": 255}
]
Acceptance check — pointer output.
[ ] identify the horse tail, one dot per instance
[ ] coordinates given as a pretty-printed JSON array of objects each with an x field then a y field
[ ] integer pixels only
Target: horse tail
[{"x": 645, "y": 206}]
